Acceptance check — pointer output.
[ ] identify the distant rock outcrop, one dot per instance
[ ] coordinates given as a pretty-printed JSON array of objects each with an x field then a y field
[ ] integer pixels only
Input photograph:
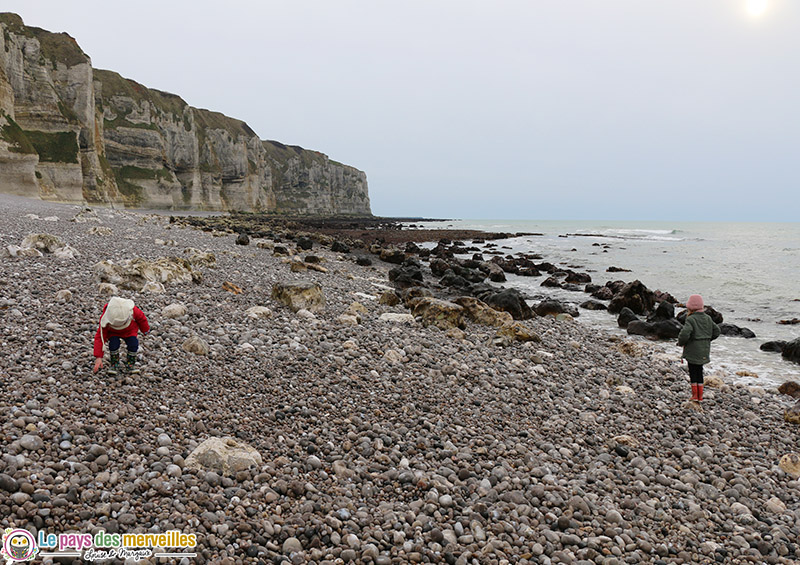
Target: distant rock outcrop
[{"x": 72, "y": 133}]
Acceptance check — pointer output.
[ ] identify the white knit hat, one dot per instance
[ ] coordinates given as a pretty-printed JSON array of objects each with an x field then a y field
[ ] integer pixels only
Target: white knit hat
[{"x": 118, "y": 314}]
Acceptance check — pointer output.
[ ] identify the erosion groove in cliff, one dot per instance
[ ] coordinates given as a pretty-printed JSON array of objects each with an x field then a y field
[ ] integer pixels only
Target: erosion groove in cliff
[{"x": 72, "y": 133}]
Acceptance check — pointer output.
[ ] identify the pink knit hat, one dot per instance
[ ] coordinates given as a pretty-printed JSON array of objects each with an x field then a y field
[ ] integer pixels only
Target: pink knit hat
[{"x": 695, "y": 303}]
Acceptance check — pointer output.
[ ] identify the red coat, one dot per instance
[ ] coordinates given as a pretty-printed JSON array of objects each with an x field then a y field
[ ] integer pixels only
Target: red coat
[{"x": 139, "y": 322}]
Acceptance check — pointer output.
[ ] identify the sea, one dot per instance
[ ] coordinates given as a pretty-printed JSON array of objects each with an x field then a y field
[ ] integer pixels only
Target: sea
[{"x": 749, "y": 272}]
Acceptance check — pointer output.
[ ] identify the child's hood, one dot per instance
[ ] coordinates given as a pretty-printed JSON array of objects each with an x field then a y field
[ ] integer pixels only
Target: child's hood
[{"x": 118, "y": 314}]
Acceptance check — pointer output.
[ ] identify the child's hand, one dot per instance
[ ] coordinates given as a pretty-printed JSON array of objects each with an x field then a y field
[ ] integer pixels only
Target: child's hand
[{"x": 98, "y": 364}]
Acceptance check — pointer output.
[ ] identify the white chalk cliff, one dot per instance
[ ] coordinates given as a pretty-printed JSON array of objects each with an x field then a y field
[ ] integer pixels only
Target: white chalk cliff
[{"x": 72, "y": 133}]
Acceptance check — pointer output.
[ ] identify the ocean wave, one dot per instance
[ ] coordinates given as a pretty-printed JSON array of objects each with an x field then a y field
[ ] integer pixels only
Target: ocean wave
[{"x": 633, "y": 234}]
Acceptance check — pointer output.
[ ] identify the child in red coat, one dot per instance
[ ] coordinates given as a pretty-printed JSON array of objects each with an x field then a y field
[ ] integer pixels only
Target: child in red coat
[{"x": 121, "y": 320}]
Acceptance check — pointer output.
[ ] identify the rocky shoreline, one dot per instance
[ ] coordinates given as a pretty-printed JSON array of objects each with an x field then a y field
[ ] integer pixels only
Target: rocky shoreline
[{"x": 380, "y": 430}]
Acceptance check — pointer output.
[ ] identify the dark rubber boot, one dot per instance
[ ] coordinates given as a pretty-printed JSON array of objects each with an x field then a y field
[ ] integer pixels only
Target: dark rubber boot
[
  {"x": 130, "y": 363},
  {"x": 113, "y": 364}
]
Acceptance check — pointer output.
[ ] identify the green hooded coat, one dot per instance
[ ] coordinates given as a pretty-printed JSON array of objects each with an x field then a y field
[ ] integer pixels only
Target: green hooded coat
[{"x": 696, "y": 336}]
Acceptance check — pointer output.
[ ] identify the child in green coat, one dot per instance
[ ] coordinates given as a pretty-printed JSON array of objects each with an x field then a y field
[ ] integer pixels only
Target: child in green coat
[{"x": 695, "y": 337}]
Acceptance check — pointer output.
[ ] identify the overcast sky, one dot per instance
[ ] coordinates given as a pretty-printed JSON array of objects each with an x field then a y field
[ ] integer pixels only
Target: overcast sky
[{"x": 530, "y": 109}]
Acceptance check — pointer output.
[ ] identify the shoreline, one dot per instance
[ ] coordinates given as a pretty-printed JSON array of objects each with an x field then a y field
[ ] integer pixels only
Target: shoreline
[{"x": 380, "y": 441}]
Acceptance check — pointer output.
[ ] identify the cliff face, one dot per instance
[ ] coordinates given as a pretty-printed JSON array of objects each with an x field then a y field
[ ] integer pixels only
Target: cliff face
[{"x": 72, "y": 133}]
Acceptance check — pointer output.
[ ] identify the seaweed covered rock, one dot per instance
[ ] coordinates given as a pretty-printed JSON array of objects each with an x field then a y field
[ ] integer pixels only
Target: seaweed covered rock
[{"x": 440, "y": 313}]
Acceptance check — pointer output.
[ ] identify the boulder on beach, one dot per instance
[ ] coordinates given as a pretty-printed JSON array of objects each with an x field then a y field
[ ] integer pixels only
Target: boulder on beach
[
  {"x": 773, "y": 346},
  {"x": 392, "y": 255},
  {"x": 626, "y": 316},
  {"x": 634, "y": 295},
  {"x": 551, "y": 307},
  {"x": 791, "y": 351},
  {"x": 440, "y": 313},
  {"x": 790, "y": 464},
  {"x": 195, "y": 345},
  {"x": 510, "y": 300},
  {"x": 405, "y": 276},
  {"x": 481, "y": 313},
  {"x": 731, "y": 330},
  {"x": 665, "y": 329},
  {"x": 44, "y": 242},
  {"x": 223, "y": 455},
  {"x": 593, "y": 305},
  {"x": 258, "y": 312},
  {"x": 517, "y": 331},
  {"x": 790, "y": 388},
  {"x": 134, "y": 274},
  {"x": 299, "y": 296},
  {"x": 792, "y": 415},
  {"x": 664, "y": 311},
  {"x": 397, "y": 318},
  {"x": 173, "y": 311}
]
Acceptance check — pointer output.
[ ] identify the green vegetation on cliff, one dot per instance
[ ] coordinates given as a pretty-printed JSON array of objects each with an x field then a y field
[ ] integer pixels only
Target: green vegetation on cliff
[
  {"x": 14, "y": 136},
  {"x": 133, "y": 193},
  {"x": 55, "y": 47},
  {"x": 55, "y": 147},
  {"x": 52, "y": 147}
]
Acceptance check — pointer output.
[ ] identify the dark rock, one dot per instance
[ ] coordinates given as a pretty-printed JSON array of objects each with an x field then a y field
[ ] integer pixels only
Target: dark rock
[
  {"x": 667, "y": 329},
  {"x": 453, "y": 280},
  {"x": 471, "y": 275},
  {"x": 790, "y": 388},
  {"x": 406, "y": 276},
  {"x": 412, "y": 247},
  {"x": 8, "y": 483},
  {"x": 529, "y": 272},
  {"x": 339, "y": 247},
  {"x": 439, "y": 267},
  {"x": 664, "y": 297},
  {"x": 731, "y": 330},
  {"x": 496, "y": 274},
  {"x": 394, "y": 256},
  {"x": 773, "y": 346},
  {"x": 552, "y": 282},
  {"x": 603, "y": 293},
  {"x": 664, "y": 311},
  {"x": 510, "y": 300},
  {"x": 626, "y": 316},
  {"x": 410, "y": 294},
  {"x": 663, "y": 329},
  {"x": 280, "y": 251},
  {"x": 578, "y": 278},
  {"x": 313, "y": 259},
  {"x": 791, "y": 351},
  {"x": 640, "y": 327},
  {"x": 635, "y": 296},
  {"x": 304, "y": 243},
  {"x": 554, "y": 307},
  {"x": 364, "y": 261},
  {"x": 243, "y": 239},
  {"x": 590, "y": 288},
  {"x": 594, "y": 305}
]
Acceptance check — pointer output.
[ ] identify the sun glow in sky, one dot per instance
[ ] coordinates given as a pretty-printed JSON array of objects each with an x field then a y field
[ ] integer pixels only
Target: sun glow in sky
[{"x": 757, "y": 8}]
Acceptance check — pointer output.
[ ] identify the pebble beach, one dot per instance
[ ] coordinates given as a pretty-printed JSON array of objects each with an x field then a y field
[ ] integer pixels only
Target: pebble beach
[{"x": 378, "y": 439}]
